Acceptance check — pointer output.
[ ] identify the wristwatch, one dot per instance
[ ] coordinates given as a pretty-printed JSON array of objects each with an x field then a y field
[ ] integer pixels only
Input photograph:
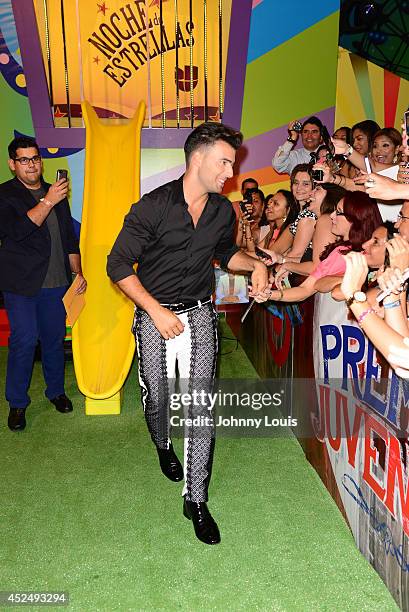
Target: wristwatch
[
  {"x": 291, "y": 140},
  {"x": 358, "y": 296}
]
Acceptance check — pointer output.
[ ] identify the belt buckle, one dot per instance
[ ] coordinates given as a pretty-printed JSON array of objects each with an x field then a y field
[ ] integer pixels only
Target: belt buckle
[{"x": 176, "y": 307}]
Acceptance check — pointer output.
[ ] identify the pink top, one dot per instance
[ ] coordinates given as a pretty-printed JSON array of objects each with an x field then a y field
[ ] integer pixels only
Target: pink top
[{"x": 333, "y": 265}]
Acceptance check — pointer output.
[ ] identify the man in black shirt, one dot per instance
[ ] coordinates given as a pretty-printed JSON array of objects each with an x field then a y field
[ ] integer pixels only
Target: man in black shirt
[
  {"x": 174, "y": 233},
  {"x": 38, "y": 251}
]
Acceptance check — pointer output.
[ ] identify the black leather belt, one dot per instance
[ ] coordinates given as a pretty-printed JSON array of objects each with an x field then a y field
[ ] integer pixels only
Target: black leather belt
[{"x": 185, "y": 306}]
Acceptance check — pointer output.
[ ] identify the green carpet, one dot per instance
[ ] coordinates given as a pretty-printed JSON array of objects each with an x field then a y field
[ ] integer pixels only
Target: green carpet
[{"x": 85, "y": 509}]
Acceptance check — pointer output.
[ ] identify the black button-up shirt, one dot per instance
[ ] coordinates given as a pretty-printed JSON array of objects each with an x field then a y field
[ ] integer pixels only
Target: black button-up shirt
[{"x": 174, "y": 257}]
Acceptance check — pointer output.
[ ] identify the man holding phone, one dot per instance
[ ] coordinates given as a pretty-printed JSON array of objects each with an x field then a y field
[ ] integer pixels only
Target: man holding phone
[
  {"x": 286, "y": 157},
  {"x": 38, "y": 252}
]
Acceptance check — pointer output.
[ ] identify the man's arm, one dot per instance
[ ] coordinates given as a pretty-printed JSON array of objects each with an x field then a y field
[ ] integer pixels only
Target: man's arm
[
  {"x": 56, "y": 193},
  {"x": 137, "y": 232},
  {"x": 18, "y": 226},
  {"x": 240, "y": 262},
  {"x": 282, "y": 160}
]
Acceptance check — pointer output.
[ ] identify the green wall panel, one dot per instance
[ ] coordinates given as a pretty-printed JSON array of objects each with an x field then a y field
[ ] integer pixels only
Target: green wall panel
[{"x": 297, "y": 78}]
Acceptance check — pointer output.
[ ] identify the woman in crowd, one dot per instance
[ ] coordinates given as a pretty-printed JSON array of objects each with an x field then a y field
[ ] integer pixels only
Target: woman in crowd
[
  {"x": 281, "y": 210},
  {"x": 324, "y": 199},
  {"x": 250, "y": 223},
  {"x": 362, "y": 135},
  {"x": 377, "y": 257},
  {"x": 301, "y": 188},
  {"x": 390, "y": 336},
  {"x": 384, "y": 160},
  {"x": 343, "y": 133},
  {"x": 353, "y": 222},
  {"x": 384, "y": 152}
]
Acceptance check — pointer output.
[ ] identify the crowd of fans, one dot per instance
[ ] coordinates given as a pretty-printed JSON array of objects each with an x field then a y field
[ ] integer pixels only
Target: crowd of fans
[{"x": 343, "y": 226}]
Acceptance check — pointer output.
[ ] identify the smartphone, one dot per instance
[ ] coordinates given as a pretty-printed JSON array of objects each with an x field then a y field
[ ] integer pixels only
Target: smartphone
[
  {"x": 317, "y": 175},
  {"x": 263, "y": 254},
  {"x": 243, "y": 208},
  {"x": 62, "y": 174}
]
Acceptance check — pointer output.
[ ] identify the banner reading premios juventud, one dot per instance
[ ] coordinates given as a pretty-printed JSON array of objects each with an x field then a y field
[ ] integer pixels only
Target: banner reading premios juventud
[
  {"x": 120, "y": 54},
  {"x": 362, "y": 419}
]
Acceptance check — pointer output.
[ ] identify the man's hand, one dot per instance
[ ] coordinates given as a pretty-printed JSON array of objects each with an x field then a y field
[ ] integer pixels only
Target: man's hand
[
  {"x": 57, "y": 192},
  {"x": 82, "y": 283},
  {"x": 292, "y": 133},
  {"x": 259, "y": 282},
  {"x": 166, "y": 322}
]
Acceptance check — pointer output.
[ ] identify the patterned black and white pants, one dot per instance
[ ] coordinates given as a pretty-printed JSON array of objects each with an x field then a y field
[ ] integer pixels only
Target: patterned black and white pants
[{"x": 194, "y": 354}]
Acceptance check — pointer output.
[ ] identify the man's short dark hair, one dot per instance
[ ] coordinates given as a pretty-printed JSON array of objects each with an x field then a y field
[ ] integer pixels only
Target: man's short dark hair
[
  {"x": 210, "y": 132},
  {"x": 248, "y": 180},
  {"x": 314, "y": 120},
  {"x": 21, "y": 142}
]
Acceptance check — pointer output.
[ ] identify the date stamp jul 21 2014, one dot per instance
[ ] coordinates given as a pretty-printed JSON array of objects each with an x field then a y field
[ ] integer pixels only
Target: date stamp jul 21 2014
[{"x": 34, "y": 598}]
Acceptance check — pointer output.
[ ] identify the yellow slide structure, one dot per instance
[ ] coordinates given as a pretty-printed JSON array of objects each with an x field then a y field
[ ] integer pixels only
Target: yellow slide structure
[{"x": 103, "y": 346}]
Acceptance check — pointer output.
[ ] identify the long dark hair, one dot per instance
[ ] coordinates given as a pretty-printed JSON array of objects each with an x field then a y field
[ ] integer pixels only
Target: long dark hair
[
  {"x": 292, "y": 211},
  {"x": 300, "y": 168},
  {"x": 363, "y": 214},
  {"x": 369, "y": 128},
  {"x": 334, "y": 194}
]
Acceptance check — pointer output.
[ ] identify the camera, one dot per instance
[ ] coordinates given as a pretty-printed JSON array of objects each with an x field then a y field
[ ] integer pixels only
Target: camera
[{"x": 317, "y": 175}]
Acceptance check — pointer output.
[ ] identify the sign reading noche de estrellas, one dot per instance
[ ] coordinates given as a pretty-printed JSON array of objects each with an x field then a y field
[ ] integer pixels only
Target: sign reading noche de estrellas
[
  {"x": 127, "y": 54},
  {"x": 362, "y": 419}
]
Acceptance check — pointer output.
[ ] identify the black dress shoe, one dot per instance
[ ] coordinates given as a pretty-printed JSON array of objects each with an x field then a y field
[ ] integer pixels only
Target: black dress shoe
[
  {"x": 17, "y": 419},
  {"x": 62, "y": 403},
  {"x": 170, "y": 464},
  {"x": 206, "y": 528}
]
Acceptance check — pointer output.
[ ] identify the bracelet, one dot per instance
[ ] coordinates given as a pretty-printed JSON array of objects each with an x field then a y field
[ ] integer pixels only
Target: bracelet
[
  {"x": 281, "y": 295},
  {"x": 364, "y": 314},
  {"x": 349, "y": 151},
  {"x": 47, "y": 202},
  {"x": 283, "y": 260},
  {"x": 250, "y": 239},
  {"x": 394, "y": 304}
]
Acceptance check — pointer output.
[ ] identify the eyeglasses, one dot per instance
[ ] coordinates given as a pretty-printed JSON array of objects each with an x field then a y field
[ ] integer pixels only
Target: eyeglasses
[
  {"x": 24, "y": 161},
  {"x": 401, "y": 217},
  {"x": 339, "y": 213}
]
